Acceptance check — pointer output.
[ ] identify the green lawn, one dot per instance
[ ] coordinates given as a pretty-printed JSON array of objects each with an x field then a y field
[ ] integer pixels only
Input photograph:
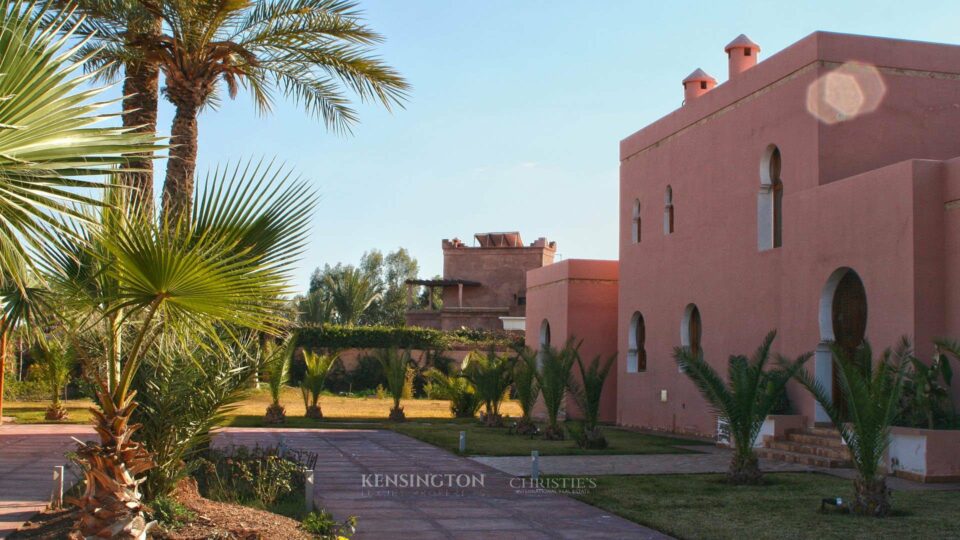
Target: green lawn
[
  {"x": 484, "y": 441},
  {"x": 704, "y": 506}
]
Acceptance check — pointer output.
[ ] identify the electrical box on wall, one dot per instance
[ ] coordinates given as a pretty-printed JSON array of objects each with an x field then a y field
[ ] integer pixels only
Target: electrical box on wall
[{"x": 663, "y": 396}]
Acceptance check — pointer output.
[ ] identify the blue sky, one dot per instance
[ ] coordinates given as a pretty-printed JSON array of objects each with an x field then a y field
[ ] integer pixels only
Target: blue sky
[{"x": 516, "y": 114}]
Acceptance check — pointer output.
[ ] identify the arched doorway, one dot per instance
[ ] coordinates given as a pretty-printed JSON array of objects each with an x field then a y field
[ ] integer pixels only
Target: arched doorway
[
  {"x": 843, "y": 322},
  {"x": 691, "y": 329},
  {"x": 544, "y": 342}
]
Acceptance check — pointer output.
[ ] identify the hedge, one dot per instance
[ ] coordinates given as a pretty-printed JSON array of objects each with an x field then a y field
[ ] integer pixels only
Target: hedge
[{"x": 332, "y": 336}]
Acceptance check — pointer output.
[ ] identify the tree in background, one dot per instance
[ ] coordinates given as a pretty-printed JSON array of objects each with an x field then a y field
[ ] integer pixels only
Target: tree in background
[{"x": 372, "y": 293}]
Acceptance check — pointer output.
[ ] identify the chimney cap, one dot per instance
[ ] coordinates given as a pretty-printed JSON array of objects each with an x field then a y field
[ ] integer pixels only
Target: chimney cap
[
  {"x": 699, "y": 75},
  {"x": 741, "y": 42}
]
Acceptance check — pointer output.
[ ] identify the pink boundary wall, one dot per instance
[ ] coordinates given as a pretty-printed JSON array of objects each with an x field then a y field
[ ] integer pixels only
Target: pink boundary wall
[{"x": 578, "y": 298}]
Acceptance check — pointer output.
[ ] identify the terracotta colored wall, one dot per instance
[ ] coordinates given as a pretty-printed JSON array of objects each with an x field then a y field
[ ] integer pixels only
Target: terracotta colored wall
[
  {"x": 889, "y": 224},
  {"x": 579, "y": 299},
  {"x": 502, "y": 273}
]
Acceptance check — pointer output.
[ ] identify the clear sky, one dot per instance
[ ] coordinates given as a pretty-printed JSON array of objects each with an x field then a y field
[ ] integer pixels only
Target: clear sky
[{"x": 516, "y": 114}]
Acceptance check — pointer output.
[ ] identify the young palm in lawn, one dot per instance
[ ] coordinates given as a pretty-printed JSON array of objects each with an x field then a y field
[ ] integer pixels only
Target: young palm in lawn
[
  {"x": 55, "y": 361},
  {"x": 871, "y": 391},
  {"x": 351, "y": 292},
  {"x": 276, "y": 366},
  {"x": 587, "y": 392},
  {"x": 396, "y": 370},
  {"x": 553, "y": 378},
  {"x": 492, "y": 375},
  {"x": 464, "y": 402},
  {"x": 751, "y": 393},
  {"x": 314, "y": 377},
  {"x": 527, "y": 389},
  {"x": 312, "y": 51},
  {"x": 227, "y": 267}
]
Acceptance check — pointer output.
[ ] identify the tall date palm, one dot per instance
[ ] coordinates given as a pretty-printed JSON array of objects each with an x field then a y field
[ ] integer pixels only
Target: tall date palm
[{"x": 312, "y": 51}]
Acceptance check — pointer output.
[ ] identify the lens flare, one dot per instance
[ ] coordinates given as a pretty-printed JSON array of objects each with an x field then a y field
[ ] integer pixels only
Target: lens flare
[{"x": 851, "y": 90}]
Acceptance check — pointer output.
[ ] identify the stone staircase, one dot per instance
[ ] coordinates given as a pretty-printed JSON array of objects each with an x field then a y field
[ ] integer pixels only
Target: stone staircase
[{"x": 815, "y": 446}]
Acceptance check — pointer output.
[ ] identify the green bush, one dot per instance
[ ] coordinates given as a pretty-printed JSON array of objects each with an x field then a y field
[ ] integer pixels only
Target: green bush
[
  {"x": 171, "y": 513},
  {"x": 259, "y": 477},
  {"x": 332, "y": 336},
  {"x": 323, "y": 525}
]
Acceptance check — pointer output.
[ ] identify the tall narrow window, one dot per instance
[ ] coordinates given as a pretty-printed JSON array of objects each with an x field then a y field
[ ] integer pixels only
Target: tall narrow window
[
  {"x": 637, "y": 352},
  {"x": 668, "y": 217},
  {"x": 770, "y": 201},
  {"x": 636, "y": 222},
  {"x": 544, "y": 342},
  {"x": 691, "y": 329}
]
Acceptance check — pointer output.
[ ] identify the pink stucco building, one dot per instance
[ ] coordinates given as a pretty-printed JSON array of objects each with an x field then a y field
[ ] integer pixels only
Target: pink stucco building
[{"x": 816, "y": 192}]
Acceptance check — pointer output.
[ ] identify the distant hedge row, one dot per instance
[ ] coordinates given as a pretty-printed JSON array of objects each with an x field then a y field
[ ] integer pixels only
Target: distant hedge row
[{"x": 332, "y": 336}]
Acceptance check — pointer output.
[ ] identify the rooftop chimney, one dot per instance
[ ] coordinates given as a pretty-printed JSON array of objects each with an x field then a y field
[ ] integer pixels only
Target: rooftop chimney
[
  {"x": 742, "y": 54},
  {"x": 697, "y": 84}
]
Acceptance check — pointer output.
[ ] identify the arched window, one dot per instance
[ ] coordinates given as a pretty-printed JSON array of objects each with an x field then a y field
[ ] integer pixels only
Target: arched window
[
  {"x": 770, "y": 201},
  {"x": 544, "y": 341},
  {"x": 636, "y": 222},
  {"x": 691, "y": 329},
  {"x": 668, "y": 211},
  {"x": 637, "y": 352}
]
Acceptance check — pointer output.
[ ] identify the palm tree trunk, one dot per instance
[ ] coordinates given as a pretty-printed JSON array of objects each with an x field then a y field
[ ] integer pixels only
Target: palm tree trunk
[
  {"x": 872, "y": 497},
  {"x": 3, "y": 363},
  {"x": 178, "y": 185},
  {"x": 141, "y": 88}
]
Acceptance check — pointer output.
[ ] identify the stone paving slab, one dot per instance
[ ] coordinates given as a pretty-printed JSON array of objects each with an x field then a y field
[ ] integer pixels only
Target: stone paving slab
[
  {"x": 28, "y": 454},
  {"x": 496, "y": 509}
]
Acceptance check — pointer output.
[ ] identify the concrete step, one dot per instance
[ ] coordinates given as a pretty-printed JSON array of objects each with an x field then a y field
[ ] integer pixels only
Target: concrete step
[
  {"x": 824, "y": 431},
  {"x": 813, "y": 450},
  {"x": 816, "y": 440},
  {"x": 802, "y": 459}
]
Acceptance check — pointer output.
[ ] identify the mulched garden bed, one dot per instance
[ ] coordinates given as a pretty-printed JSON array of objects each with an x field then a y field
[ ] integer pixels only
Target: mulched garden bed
[{"x": 213, "y": 520}]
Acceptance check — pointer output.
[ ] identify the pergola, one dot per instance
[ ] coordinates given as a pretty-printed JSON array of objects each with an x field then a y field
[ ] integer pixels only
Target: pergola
[{"x": 433, "y": 283}]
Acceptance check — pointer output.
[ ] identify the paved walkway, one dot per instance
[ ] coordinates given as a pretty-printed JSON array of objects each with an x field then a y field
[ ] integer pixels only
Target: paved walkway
[
  {"x": 448, "y": 507},
  {"x": 28, "y": 455},
  {"x": 709, "y": 459}
]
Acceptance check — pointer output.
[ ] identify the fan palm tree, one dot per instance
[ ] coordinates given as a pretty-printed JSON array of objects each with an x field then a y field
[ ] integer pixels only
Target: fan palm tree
[
  {"x": 745, "y": 400},
  {"x": 492, "y": 375},
  {"x": 314, "y": 377},
  {"x": 871, "y": 391},
  {"x": 396, "y": 371},
  {"x": 588, "y": 392},
  {"x": 351, "y": 293},
  {"x": 310, "y": 50},
  {"x": 226, "y": 267},
  {"x": 50, "y": 151}
]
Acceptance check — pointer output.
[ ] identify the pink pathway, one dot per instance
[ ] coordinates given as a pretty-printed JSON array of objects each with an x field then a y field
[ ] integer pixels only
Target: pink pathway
[
  {"x": 494, "y": 511},
  {"x": 28, "y": 455}
]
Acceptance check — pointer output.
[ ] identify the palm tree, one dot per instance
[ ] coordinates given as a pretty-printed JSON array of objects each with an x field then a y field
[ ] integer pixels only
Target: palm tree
[
  {"x": 870, "y": 392},
  {"x": 464, "y": 402},
  {"x": 225, "y": 267},
  {"x": 492, "y": 375},
  {"x": 310, "y": 50},
  {"x": 276, "y": 362},
  {"x": 55, "y": 362},
  {"x": 745, "y": 401},
  {"x": 588, "y": 393},
  {"x": 115, "y": 32},
  {"x": 351, "y": 293},
  {"x": 553, "y": 378},
  {"x": 527, "y": 389},
  {"x": 50, "y": 151},
  {"x": 396, "y": 370},
  {"x": 314, "y": 377}
]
